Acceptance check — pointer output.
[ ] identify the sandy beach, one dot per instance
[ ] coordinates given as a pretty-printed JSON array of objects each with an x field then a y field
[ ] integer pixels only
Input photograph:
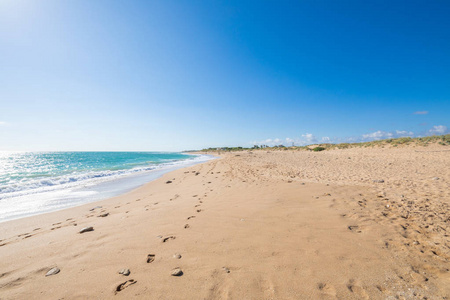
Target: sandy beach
[{"x": 359, "y": 223}]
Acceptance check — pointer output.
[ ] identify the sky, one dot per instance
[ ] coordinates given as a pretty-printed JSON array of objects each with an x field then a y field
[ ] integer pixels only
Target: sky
[{"x": 108, "y": 75}]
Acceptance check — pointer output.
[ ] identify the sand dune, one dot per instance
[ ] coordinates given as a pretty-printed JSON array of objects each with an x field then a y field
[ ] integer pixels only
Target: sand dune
[{"x": 339, "y": 224}]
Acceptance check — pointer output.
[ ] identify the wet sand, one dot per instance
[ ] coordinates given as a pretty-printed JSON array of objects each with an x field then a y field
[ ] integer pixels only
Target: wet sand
[{"x": 341, "y": 224}]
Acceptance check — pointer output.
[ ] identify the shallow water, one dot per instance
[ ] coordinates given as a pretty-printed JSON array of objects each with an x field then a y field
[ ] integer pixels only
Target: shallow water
[{"x": 37, "y": 182}]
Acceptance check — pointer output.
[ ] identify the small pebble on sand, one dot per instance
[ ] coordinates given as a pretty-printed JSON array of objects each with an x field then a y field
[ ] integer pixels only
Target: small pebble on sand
[
  {"x": 125, "y": 272},
  {"x": 52, "y": 271},
  {"x": 176, "y": 272},
  {"x": 86, "y": 229}
]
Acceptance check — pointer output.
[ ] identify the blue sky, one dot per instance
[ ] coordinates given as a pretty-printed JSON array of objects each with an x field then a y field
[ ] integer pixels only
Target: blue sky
[{"x": 175, "y": 75}]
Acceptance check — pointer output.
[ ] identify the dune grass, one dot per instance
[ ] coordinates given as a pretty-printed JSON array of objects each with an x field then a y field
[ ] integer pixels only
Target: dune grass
[{"x": 443, "y": 140}]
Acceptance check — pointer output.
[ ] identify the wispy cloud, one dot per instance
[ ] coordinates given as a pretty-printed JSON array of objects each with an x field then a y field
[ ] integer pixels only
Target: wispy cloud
[
  {"x": 381, "y": 135},
  {"x": 423, "y": 112},
  {"x": 305, "y": 139},
  {"x": 377, "y": 135},
  {"x": 309, "y": 138},
  {"x": 404, "y": 133},
  {"x": 3, "y": 123},
  {"x": 440, "y": 129}
]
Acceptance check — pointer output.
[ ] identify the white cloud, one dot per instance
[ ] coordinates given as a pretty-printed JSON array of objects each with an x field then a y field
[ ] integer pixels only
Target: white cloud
[
  {"x": 378, "y": 135},
  {"x": 289, "y": 141},
  {"x": 309, "y": 137},
  {"x": 306, "y": 139},
  {"x": 404, "y": 133},
  {"x": 3, "y": 123},
  {"x": 424, "y": 112},
  {"x": 269, "y": 142},
  {"x": 440, "y": 129}
]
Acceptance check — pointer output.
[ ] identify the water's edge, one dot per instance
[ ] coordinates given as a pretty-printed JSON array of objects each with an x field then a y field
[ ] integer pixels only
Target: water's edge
[{"x": 104, "y": 190}]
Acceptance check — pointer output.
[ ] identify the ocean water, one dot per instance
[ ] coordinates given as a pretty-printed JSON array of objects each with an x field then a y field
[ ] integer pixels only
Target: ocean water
[{"x": 37, "y": 182}]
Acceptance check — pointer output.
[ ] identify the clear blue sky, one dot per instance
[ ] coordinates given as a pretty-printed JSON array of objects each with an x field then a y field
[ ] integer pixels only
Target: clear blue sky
[{"x": 174, "y": 75}]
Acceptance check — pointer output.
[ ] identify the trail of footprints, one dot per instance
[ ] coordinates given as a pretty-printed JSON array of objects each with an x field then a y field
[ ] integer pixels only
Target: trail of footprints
[
  {"x": 324, "y": 288},
  {"x": 423, "y": 236},
  {"x": 99, "y": 211}
]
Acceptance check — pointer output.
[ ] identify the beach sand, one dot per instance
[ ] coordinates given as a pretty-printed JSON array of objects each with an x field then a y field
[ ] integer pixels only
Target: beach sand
[{"x": 360, "y": 223}]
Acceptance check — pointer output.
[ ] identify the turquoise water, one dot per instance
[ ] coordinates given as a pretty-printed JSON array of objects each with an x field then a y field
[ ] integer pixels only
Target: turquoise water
[{"x": 37, "y": 182}]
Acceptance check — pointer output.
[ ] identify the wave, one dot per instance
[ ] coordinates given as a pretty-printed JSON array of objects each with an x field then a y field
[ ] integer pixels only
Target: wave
[{"x": 87, "y": 178}]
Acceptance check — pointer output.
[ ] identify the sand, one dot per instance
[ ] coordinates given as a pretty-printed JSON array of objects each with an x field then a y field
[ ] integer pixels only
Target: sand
[{"x": 339, "y": 224}]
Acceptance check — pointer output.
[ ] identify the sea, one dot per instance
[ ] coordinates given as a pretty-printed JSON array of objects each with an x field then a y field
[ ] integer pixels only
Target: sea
[{"x": 33, "y": 183}]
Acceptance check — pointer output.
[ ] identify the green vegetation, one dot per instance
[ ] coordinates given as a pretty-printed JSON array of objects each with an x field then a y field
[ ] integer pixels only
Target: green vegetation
[
  {"x": 318, "y": 149},
  {"x": 443, "y": 140}
]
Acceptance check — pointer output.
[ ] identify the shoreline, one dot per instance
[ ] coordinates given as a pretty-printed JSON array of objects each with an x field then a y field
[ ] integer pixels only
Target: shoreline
[
  {"x": 277, "y": 225},
  {"x": 70, "y": 197}
]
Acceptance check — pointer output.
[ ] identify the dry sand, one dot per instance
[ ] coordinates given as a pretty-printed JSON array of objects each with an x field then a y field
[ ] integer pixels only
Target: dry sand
[{"x": 261, "y": 225}]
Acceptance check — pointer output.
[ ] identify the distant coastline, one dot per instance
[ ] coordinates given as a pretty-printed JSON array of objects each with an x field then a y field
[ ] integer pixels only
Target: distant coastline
[{"x": 443, "y": 140}]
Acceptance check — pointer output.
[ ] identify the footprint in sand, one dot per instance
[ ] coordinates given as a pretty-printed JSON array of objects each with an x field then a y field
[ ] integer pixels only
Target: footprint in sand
[
  {"x": 124, "y": 285},
  {"x": 199, "y": 210},
  {"x": 150, "y": 258},
  {"x": 327, "y": 289},
  {"x": 186, "y": 226},
  {"x": 381, "y": 288},
  {"x": 354, "y": 228},
  {"x": 191, "y": 217},
  {"x": 168, "y": 238},
  {"x": 357, "y": 289}
]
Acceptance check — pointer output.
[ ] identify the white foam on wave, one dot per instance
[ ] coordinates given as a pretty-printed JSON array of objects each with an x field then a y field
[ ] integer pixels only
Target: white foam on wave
[
  {"x": 58, "y": 193},
  {"x": 88, "y": 178}
]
